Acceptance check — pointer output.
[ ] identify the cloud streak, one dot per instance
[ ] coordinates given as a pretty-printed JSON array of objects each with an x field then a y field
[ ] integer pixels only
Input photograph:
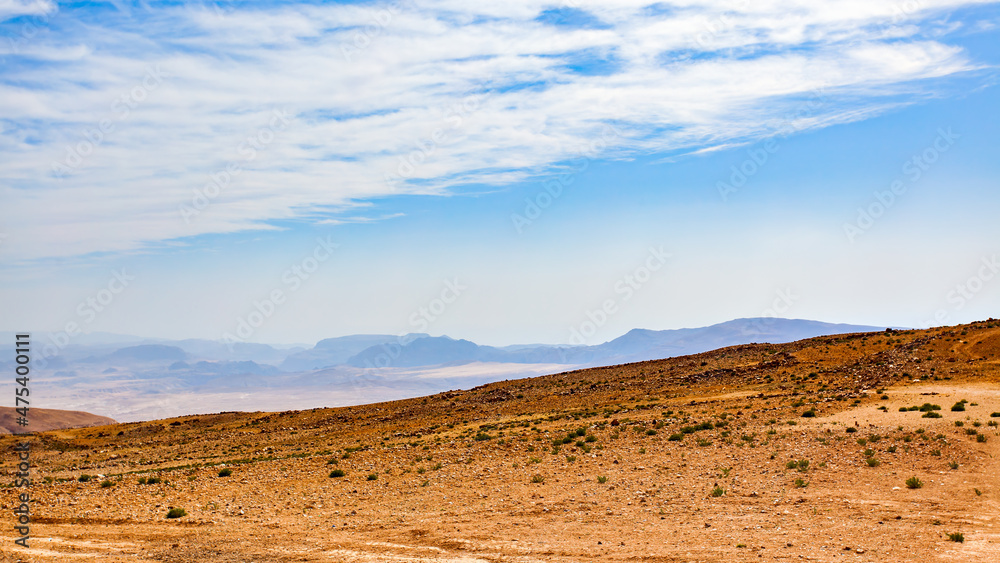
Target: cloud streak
[{"x": 406, "y": 98}]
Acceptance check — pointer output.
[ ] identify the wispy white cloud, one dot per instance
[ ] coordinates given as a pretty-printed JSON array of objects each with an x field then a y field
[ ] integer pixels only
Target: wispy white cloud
[
  {"x": 115, "y": 124},
  {"x": 15, "y": 8}
]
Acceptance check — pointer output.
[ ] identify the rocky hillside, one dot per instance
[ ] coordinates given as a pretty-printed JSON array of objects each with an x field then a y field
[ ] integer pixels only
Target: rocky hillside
[{"x": 860, "y": 447}]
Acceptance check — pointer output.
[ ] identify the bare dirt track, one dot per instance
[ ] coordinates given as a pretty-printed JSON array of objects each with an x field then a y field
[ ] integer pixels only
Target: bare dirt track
[{"x": 793, "y": 452}]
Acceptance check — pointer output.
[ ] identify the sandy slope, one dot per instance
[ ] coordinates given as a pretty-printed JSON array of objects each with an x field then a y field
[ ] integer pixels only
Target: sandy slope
[{"x": 41, "y": 420}]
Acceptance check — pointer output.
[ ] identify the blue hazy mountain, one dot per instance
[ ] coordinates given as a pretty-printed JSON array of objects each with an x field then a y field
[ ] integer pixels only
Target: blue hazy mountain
[
  {"x": 635, "y": 346},
  {"x": 142, "y": 379},
  {"x": 236, "y": 351},
  {"x": 246, "y": 367},
  {"x": 193, "y": 358},
  {"x": 425, "y": 351},
  {"x": 336, "y": 351},
  {"x": 148, "y": 353},
  {"x": 640, "y": 344}
]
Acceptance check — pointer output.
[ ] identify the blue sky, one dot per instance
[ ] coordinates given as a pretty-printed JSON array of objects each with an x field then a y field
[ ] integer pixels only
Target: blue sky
[{"x": 505, "y": 174}]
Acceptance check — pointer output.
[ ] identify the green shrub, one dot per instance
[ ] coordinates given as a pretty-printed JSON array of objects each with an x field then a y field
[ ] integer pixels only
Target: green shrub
[
  {"x": 953, "y": 464},
  {"x": 851, "y": 430},
  {"x": 801, "y": 484},
  {"x": 602, "y": 479},
  {"x": 676, "y": 437},
  {"x": 872, "y": 462},
  {"x": 914, "y": 483},
  {"x": 372, "y": 476},
  {"x": 337, "y": 473},
  {"x": 956, "y": 537},
  {"x": 801, "y": 465},
  {"x": 718, "y": 491},
  {"x": 225, "y": 472},
  {"x": 959, "y": 406},
  {"x": 176, "y": 513},
  {"x": 84, "y": 478},
  {"x": 537, "y": 478},
  {"x": 981, "y": 438},
  {"x": 105, "y": 484}
]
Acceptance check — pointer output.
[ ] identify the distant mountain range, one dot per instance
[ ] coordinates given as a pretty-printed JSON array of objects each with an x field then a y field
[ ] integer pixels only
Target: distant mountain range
[
  {"x": 635, "y": 346},
  {"x": 135, "y": 378},
  {"x": 422, "y": 350}
]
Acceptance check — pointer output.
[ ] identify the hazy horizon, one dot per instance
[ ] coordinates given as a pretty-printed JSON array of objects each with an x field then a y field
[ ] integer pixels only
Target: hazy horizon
[{"x": 77, "y": 338}]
